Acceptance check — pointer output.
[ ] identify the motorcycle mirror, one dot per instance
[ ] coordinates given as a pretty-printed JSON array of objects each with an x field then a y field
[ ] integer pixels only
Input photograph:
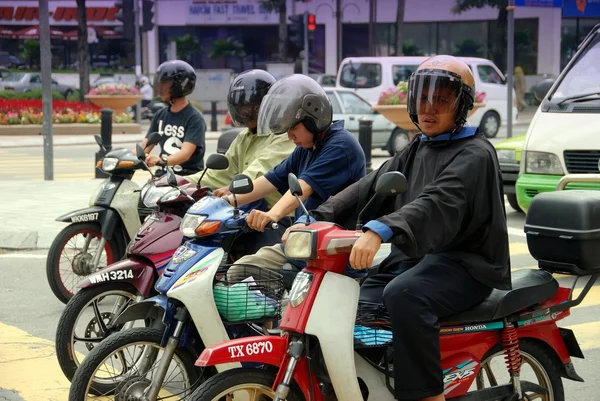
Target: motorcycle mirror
[
  {"x": 98, "y": 140},
  {"x": 139, "y": 152},
  {"x": 542, "y": 88},
  {"x": 391, "y": 183},
  {"x": 171, "y": 179},
  {"x": 296, "y": 190},
  {"x": 294, "y": 185},
  {"x": 153, "y": 138},
  {"x": 241, "y": 184},
  {"x": 217, "y": 161}
]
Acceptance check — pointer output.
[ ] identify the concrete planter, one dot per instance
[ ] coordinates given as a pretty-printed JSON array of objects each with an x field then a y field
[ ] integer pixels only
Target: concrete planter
[
  {"x": 118, "y": 104},
  {"x": 68, "y": 129}
]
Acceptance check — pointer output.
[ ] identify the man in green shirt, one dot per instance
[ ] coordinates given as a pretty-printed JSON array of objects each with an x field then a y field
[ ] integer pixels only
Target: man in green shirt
[{"x": 250, "y": 154}]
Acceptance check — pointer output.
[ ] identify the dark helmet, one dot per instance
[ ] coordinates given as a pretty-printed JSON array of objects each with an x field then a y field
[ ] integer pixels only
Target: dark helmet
[
  {"x": 438, "y": 75},
  {"x": 291, "y": 100},
  {"x": 180, "y": 73},
  {"x": 245, "y": 95}
]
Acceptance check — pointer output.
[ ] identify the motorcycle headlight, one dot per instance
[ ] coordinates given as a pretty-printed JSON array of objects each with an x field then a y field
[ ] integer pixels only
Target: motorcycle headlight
[
  {"x": 182, "y": 254},
  {"x": 154, "y": 193},
  {"x": 301, "y": 245},
  {"x": 507, "y": 156},
  {"x": 543, "y": 163},
  {"x": 300, "y": 288},
  {"x": 194, "y": 225},
  {"x": 109, "y": 163}
]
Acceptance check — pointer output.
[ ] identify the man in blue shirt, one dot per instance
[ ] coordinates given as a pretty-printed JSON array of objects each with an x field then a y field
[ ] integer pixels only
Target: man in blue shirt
[{"x": 326, "y": 160}]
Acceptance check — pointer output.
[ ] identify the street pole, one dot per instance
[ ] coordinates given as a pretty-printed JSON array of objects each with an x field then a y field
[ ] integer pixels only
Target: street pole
[
  {"x": 510, "y": 61},
  {"x": 138, "y": 55},
  {"x": 306, "y": 50},
  {"x": 338, "y": 23},
  {"x": 46, "y": 61}
]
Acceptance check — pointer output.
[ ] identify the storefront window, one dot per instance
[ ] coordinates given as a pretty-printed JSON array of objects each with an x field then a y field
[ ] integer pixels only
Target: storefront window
[
  {"x": 466, "y": 39},
  {"x": 573, "y": 31}
]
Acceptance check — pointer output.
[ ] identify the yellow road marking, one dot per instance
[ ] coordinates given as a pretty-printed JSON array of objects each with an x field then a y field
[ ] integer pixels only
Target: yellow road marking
[
  {"x": 587, "y": 334},
  {"x": 518, "y": 248}
]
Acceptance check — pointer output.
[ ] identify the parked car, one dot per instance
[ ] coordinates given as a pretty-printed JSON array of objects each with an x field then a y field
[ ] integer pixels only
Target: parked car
[
  {"x": 370, "y": 76},
  {"x": 324, "y": 79},
  {"x": 4, "y": 73},
  {"x": 509, "y": 156},
  {"x": 24, "y": 82},
  {"x": 347, "y": 106}
]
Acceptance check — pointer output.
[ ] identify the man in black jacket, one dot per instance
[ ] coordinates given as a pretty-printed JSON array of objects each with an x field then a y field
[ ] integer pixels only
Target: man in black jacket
[{"x": 448, "y": 230}]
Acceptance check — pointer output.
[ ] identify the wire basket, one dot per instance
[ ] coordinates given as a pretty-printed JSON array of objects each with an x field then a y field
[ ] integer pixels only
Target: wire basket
[
  {"x": 247, "y": 293},
  {"x": 373, "y": 327}
]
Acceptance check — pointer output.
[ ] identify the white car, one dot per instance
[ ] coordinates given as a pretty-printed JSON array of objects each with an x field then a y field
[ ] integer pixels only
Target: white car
[{"x": 351, "y": 107}]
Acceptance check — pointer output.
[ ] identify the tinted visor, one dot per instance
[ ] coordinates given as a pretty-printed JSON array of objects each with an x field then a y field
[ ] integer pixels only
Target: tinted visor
[
  {"x": 434, "y": 92},
  {"x": 242, "y": 116},
  {"x": 277, "y": 114}
]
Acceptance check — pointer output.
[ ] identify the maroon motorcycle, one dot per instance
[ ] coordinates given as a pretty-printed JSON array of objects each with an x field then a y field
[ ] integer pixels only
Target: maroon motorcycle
[{"x": 109, "y": 291}]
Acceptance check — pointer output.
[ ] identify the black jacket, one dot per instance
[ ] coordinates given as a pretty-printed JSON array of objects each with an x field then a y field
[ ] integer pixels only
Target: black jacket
[{"x": 454, "y": 205}]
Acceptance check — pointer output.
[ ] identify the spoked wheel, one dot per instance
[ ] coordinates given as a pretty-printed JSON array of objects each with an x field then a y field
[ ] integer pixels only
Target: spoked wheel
[
  {"x": 537, "y": 367},
  {"x": 72, "y": 255},
  {"x": 84, "y": 322},
  {"x": 124, "y": 365},
  {"x": 242, "y": 384}
]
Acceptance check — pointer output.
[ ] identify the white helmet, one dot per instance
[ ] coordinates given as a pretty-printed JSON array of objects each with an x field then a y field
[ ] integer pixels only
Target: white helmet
[{"x": 144, "y": 80}]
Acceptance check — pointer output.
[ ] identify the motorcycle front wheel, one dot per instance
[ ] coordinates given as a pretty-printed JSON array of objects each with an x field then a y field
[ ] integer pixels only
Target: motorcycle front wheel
[
  {"x": 66, "y": 267},
  {"x": 142, "y": 346},
  {"x": 74, "y": 341},
  {"x": 254, "y": 383}
]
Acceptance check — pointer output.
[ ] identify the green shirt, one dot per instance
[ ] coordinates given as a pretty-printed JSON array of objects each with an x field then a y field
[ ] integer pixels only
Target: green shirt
[{"x": 251, "y": 155}]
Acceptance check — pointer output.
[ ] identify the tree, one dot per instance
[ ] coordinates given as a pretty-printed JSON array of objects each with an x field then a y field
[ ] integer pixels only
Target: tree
[
  {"x": 83, "y": 50},
  {"x": 223, "y": 48},
  {"x": 31, "y": 52},
  {"x": 279, "y": 5},
  {"x": 400, "y": 28},
  {"x": 186, "y": 46},
  {"x": 499, "y": 45}
]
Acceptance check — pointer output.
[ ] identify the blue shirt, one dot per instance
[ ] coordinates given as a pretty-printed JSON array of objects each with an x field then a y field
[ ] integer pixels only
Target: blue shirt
[{"x": 337, "y": 161}]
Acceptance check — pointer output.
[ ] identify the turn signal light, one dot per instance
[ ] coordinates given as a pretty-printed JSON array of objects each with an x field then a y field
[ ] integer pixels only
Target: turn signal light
[
  {"x": 99, "y": 164},
  {"x": 208, "y": 227},
  {"x": 126, "y": 164}
]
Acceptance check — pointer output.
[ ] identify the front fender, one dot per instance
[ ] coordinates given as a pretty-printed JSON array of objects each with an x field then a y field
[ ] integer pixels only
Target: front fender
[
  {"x": 153, "y": 308},
  {"x": 88, "y": 214},
  {"x": 140, "y": 273},
  {"x": 270, "y": 350}
]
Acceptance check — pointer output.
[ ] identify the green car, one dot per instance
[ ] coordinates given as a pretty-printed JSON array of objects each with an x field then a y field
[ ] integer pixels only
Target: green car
[{"x": 509, "y": 156}]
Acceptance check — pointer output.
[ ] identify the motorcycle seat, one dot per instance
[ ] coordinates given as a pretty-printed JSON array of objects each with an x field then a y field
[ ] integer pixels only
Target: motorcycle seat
[{"x": 529, "y": 287}]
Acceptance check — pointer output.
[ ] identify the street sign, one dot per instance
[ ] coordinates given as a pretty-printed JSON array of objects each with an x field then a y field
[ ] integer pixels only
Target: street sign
[
  {"x": 539, "y": 3},
  {"x": 578, "y": 8}
]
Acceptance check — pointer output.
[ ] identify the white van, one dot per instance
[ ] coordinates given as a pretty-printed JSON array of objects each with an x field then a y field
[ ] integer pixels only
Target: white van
[
  {"x": 563, "y": 137},
  {"x": 370, "y": 76}
]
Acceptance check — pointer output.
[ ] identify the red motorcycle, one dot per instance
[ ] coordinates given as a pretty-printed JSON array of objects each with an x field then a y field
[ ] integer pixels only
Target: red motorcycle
[
  {"x": 132, "y": 279},
  {"x": 332, "y": 347}
]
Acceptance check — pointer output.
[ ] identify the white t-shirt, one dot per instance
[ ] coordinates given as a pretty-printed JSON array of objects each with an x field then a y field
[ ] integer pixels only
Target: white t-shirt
[{"x": 147, "y": 92}]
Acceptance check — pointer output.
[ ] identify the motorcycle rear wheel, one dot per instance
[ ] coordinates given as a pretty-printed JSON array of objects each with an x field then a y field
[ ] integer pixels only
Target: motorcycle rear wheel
[
  {"x": 58, "y": 287},
  {"x": 65, "y": 330}
]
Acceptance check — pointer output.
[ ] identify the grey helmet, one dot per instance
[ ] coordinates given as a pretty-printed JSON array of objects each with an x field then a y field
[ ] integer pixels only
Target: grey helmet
[{"x": 291, "y": 100}]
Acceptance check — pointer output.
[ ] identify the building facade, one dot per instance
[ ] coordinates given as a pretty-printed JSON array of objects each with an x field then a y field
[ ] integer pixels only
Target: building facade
[{"x": 240, "y": 34}]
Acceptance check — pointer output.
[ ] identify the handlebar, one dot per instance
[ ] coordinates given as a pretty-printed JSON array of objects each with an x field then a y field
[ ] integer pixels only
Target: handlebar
[{"x": 270, "y": 226}]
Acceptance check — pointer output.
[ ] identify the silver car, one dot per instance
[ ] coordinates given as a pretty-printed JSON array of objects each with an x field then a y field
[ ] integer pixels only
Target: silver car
[
  {"x": 27, "y": 81},
  {"x": 350, "y": 107}
]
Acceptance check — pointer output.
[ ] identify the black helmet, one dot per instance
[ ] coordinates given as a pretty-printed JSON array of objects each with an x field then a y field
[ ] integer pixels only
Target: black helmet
[
  {"x": 291, "y": 100},
  {"x": 180, "y": 73},
  {"x": 245, "y": 95}
]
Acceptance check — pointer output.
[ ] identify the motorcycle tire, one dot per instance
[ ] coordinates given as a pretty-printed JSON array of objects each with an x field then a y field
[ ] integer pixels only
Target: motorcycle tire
[
  {"x": 112, "y": 249},
  {"x": 216, "y": 388},
  {"x": 65, "y": 329},
  {"x": 83, "y": 375}
]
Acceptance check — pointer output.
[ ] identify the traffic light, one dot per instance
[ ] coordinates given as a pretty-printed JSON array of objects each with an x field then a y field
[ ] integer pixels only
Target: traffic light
[
  {"x": 297, "y": 30},
  {"x": 126, "y": 16},
  {"x": 311, "y": 26},
  {"x": 147, "y": 15}
]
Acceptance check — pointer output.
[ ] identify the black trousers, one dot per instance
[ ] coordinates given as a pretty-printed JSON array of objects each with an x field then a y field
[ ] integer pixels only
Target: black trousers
[{"x": 416, "y": 299}]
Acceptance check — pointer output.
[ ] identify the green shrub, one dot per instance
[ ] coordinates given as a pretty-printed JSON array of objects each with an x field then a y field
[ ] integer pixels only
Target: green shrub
[{"x": 34, "y": 94}]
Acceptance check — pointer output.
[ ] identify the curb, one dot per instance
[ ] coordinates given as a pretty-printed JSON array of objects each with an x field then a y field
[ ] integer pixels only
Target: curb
[
  {"x": 10, "y": 395},
  {"x": 18, "y": 240}
]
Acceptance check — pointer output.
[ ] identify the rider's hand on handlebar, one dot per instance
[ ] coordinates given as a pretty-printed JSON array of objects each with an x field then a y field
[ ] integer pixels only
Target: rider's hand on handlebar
[
  {"x": 290, "y": 228},
  {"x": 364, "y": 250},
  {"x": 152, "y": 160},
  {"x": 221, "y": 192},
  {"x": 258, "y": 220}
]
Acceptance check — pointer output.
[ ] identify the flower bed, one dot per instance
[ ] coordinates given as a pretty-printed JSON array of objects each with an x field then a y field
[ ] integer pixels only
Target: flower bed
[
  {"x": 114, "y": 90},
  {"x": 22, "y": 112}
]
